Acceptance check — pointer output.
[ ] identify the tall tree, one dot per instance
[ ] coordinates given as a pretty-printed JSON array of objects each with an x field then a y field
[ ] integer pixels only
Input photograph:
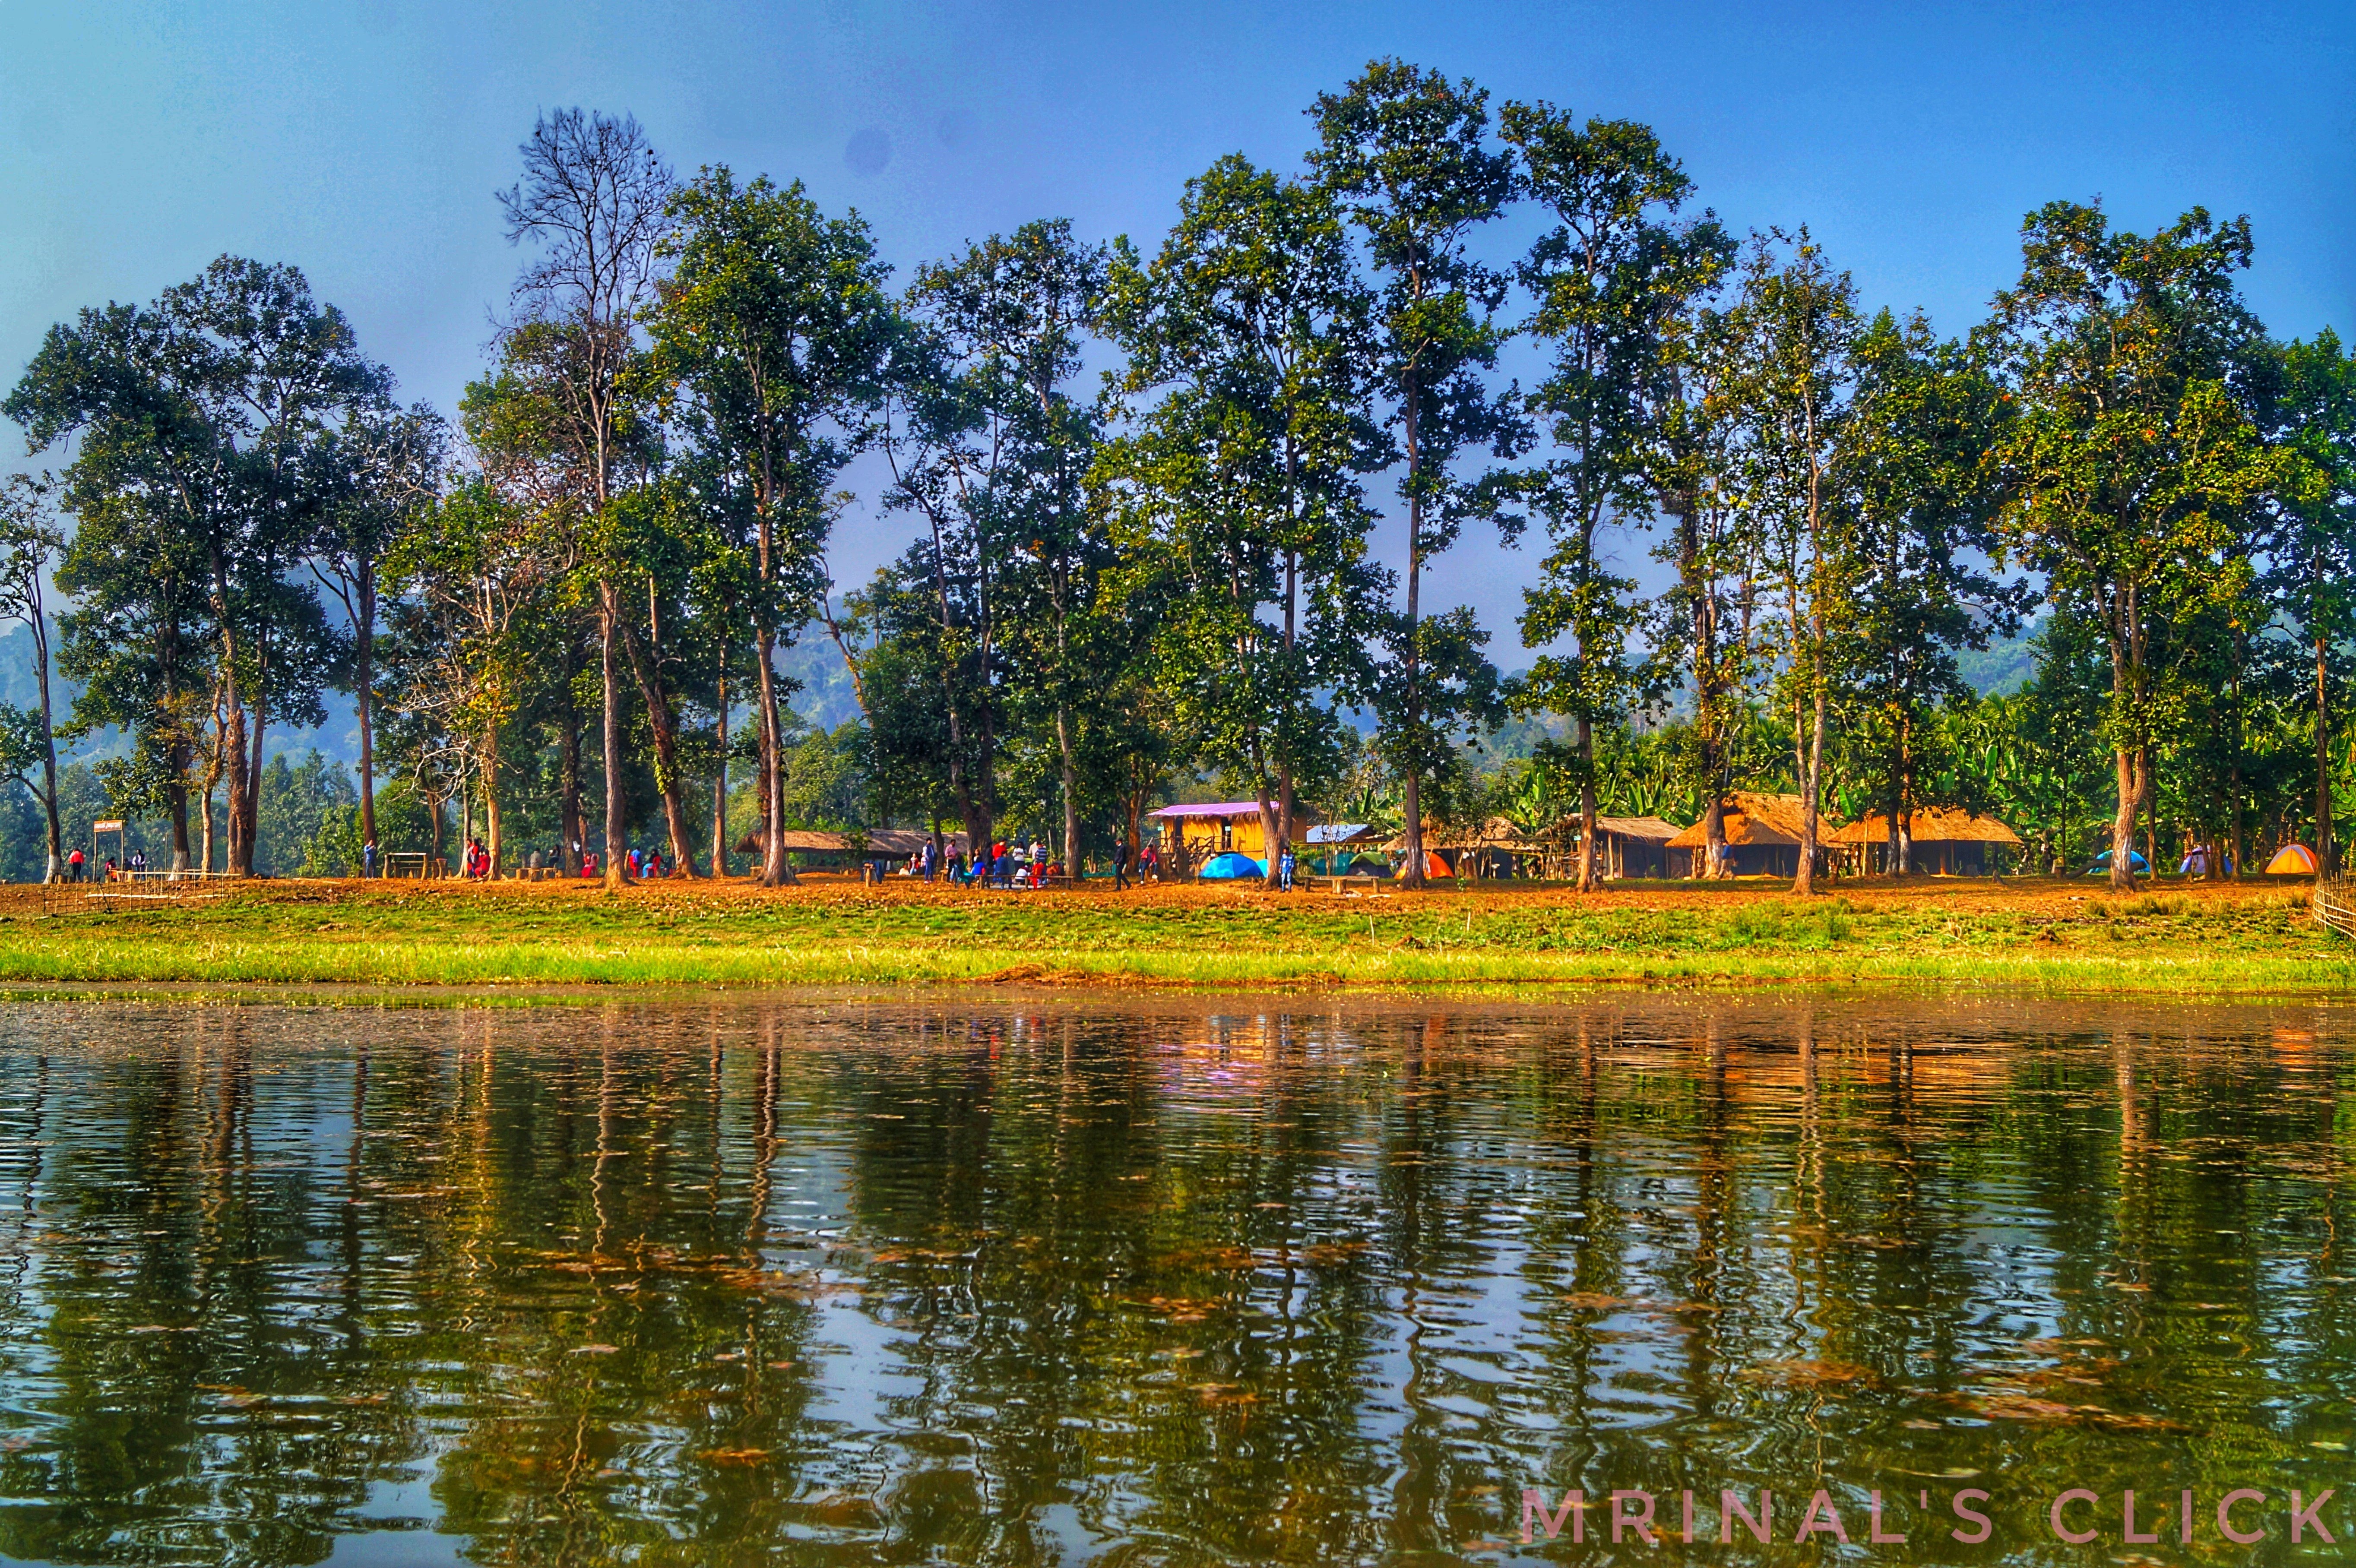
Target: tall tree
[
  {"x": 1242, "y": 516},
  {"x": 1607, "y": 280},
  {"x": 774, "y": 326},
  {"x": 29, "y": 541},
  {"x": 595, "y": 201},
  {"x": 146, "y": 463},
  {"x": 390, "y": 472},
  {"x": 1016, "y": 311},
  {"x": 210, "y": 415},
  {"x": 2134, "y": 457},
  {"x": 1706, "y": 619},
  {"x": 279, "y": 374},
  {"x": 1924, "y": 422},
  {"x": 2312, "y": 541},
  {"x": 1792, "y": 325},
  {"x": 1409, "y": 151},
  {"x": 473, "y": 597}
]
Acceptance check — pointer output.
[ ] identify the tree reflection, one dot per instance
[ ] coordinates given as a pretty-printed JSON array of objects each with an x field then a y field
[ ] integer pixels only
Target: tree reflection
[{"x": 1020, "y": 1282}]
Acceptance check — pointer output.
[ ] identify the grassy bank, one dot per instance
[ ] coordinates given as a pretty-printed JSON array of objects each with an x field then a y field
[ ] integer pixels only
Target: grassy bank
[{"x": 2200, "y": 940}]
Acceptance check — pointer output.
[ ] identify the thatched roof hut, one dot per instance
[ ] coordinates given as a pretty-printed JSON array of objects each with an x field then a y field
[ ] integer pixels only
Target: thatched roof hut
[
  {"x": 1494, "y": 833},
  {"x": 1624, "y": 846},
  {"x": 1762, "y": 834},
  {"x": 1942, "y": 840},
  {"x": 798, "y": 840},
  {"x": 881, "y": 843}
]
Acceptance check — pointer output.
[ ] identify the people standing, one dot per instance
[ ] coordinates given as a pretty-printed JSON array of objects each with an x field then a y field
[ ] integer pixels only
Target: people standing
[
  {"x": 1120, "y": 865},
  {"x": 73, "y": 866},
  {"x": 1284, "y": 869}
]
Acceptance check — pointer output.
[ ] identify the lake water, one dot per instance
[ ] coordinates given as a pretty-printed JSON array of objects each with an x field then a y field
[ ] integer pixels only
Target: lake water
[{"x": 997, "y": 1279}]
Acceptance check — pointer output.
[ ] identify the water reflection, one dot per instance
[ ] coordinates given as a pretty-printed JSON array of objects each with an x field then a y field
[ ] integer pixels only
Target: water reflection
[{"x": 1032, "y": 1282}]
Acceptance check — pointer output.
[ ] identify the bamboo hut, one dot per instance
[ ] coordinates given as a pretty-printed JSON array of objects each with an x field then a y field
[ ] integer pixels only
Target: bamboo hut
[
  {"x": 1624, "y": 847},
  {"x": 1493, "y": 847},
  {"x": 1193, "y": 831},
  {"x": 1763, "y": 837},
  {"x": 1942, "y": 841},
  {"x": 817, "y": 847}
]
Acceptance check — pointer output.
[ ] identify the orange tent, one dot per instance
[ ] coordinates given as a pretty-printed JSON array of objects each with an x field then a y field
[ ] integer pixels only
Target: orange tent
[{"x": 2292, "y": 860}]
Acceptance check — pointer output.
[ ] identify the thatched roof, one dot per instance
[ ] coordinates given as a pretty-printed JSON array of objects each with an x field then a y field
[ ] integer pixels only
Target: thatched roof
[
  {"x": 902, "y": 842},
  {"x": 1756, "y": 819},
  {"x": 1929, "y": 824},
  {"x": 1496, "y": 833},
  {"x": 896, "y": 842},
  {"x": 809, "y": 840},
  {"x": 1645, "y": 829}
]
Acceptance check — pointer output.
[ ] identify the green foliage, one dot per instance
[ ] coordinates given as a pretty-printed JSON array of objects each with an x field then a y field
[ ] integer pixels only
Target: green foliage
[{"x": 1176, "y": 579}]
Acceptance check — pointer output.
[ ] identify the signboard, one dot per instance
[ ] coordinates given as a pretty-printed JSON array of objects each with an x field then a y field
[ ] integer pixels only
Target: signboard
[{"x": 109, "y": 825}]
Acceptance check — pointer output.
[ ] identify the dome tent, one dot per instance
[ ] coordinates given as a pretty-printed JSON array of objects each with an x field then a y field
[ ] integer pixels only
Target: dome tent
[{"x": 2292, "y": 860}]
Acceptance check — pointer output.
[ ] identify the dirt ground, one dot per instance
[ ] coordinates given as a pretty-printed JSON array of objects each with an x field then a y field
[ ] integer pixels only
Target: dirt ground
[{"x": 2047, "y": 896}]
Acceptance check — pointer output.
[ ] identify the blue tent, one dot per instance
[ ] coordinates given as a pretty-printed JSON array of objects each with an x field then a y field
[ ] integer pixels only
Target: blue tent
[
  {"x": 1230, "y": 866},
  {"x": 2102, "y": 865}
]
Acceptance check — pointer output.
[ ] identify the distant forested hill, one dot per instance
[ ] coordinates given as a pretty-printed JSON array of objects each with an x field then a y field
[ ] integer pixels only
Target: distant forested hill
[{"x": 2005, "y": 667}]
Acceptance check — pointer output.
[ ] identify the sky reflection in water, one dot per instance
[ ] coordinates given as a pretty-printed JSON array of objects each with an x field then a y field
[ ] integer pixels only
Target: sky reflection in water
[{"x": 1039, "y": 1280}]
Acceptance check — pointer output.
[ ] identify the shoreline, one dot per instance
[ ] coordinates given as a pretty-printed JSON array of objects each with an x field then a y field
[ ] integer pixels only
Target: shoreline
[{"x": 2240, "y": 940}]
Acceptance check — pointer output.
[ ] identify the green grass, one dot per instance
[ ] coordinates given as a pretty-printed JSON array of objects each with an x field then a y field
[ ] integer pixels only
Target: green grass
[{"x": 468, "y": 937}]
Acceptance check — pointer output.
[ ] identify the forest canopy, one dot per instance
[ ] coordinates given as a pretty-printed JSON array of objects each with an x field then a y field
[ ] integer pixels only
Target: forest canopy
[{"x": 1150, "y": 484}]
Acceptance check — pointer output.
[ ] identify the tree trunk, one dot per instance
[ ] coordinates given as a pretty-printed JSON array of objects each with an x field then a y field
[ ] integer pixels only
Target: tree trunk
[
  {"x": 720, "y": 788},
  {"x": 1805, "y": 883},
  {"x": 246, "y": 832},
  {"x": 609, "y": 616},
  {"x": 1588, "y": 820},
  {"x": 571, "y": 823},
  {"x": 48, "y": 742},
  {"x": 667, "y": 774},
  {"x": 1411, "y": 699},
  {"x": 1267, "y": 804},
  {"x": 233, "y": 751},
  {"x": 1071, "y": 791},
  {"x": 491, "y": 800},
  {"x": 985, "y": 793},
  {"x": 230, "y": 756},
  {"x": 1713, "y": 830},
  {"x": 364, "y": 693},
  {"x": 1284, "y": 814},
  {"x": 1285, "y": 826},
  {"x": 176, "y": 805},
  {"x": 2123, "y": 824},
  {"x": 2325, "y": 850},
  {"x": 775, "y": 871}
]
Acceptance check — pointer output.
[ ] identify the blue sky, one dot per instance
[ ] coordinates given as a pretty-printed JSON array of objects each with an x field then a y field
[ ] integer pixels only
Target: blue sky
[{"x": 362, "y": 139}]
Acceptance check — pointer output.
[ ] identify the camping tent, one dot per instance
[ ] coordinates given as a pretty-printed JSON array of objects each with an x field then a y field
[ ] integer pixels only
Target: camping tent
[
  {"x": 2292, "y": 860},
  {"x": 1231, "y": 867}
]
